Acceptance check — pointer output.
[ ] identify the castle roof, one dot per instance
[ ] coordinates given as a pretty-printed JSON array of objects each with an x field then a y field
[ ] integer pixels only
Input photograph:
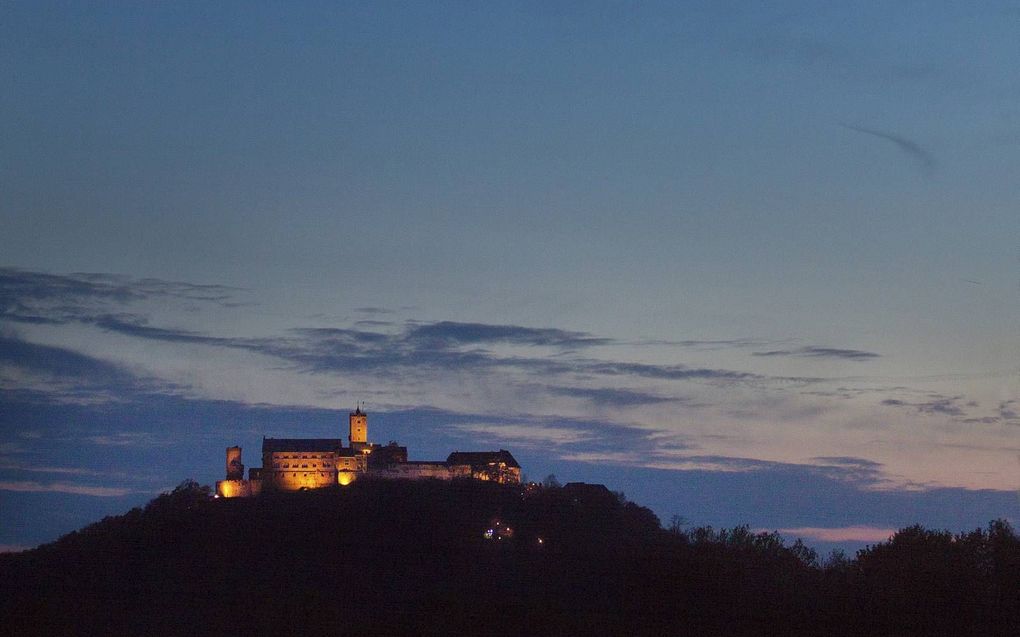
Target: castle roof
[
  {"x": 482, "y": 458},
  {"x": 270, "y": 445}
]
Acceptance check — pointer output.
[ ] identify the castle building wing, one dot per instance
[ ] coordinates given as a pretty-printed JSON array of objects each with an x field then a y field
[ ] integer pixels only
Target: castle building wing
[
  {"x": 480, "y": 458},
  {"x": 301, "y": 445}
]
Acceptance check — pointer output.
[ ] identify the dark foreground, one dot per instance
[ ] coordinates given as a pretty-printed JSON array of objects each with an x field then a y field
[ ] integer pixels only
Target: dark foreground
[{"x": 412, "y": 558}]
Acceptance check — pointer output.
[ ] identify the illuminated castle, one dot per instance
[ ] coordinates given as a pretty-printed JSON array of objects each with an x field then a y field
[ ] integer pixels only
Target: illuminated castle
[{"x": 295, "y": 464}]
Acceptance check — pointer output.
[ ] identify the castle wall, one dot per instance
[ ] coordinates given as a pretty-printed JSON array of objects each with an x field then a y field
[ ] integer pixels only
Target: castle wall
[
  {"x": 351, "y": 462},
  {"x": 284, "y": 480},
  {"x": 500, "y": 473},
  {"x": 238, "y": 488},
  {"x": 344, "y": 478},
  {"x": 420, "y": 471}
]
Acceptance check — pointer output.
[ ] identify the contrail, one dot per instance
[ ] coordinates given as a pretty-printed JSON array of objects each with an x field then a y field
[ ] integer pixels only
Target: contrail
[{"x": 911, "y": 148}]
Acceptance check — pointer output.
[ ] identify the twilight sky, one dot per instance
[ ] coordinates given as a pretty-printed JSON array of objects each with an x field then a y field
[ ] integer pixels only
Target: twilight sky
[{"x": 747, "y": 264}]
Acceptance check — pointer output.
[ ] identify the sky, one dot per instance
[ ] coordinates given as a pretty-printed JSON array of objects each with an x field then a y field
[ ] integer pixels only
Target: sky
[{"x": 746, "y": 263}]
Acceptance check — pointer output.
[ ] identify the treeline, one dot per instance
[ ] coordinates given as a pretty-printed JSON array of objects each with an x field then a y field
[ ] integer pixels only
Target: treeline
[{"x": 470, "y": 558}]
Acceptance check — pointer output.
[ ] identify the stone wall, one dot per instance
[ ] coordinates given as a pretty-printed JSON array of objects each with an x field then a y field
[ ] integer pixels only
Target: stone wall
[{"x": 238, "y": 488}]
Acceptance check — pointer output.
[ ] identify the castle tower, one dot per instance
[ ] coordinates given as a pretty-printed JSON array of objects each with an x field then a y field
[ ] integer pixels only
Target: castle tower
[{"x": 359, "y": 427}]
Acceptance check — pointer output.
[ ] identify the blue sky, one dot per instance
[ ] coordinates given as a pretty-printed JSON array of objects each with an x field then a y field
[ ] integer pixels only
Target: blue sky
[{"x": 746, "y": 263}]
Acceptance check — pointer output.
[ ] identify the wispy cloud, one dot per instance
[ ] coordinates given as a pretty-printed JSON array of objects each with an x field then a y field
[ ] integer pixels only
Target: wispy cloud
[
  {"x": 710, "y": 344},
  {"x": 610, "y": 396},
  {"x": 923, "y": 158},
  {"x": 850, "y": 469},
  {"x": 858, "y": 472},
  {"x": 855, "y": 533},
  {"x": 372, "y": 323},
  {"x": 1007, "y": 410},
  {"x": 535, "y": 433},
  {"x": 663, "y": 372},
  {"x": 936, "y": 404},
  {"x": 821, "y": 352},
  {"x": 447, "y": 333},
  {"x": 58, "y": 361},
  {"x": 78, "y": 471},
  {"x": 28, "y": 486},
  {"x": 39, "y": 297},
  {"x": 61, "y": 375},
  {"x": 128, "y": 439},
  {"x": 416, "y": 349}
]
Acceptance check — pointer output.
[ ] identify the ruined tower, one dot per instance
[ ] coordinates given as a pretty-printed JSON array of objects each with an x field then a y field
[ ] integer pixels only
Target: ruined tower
[{"x": 235, "y": 470}]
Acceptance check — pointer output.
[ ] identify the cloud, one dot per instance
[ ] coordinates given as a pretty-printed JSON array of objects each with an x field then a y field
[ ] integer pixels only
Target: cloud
[
  {"x": 959, "y": 409},
  {"x": 855, "y": 533},
  {"x": 134, "y": 325},
  {"x": 663, "y": 372},
  {"x": 603, "y": 457},
  {"x": 1007, "y": 410},
  {"x": 39, "y": 297},
  {"x": 610, "y": 396},
  {"x": 847, "y": 461},
  {"x": 450, "y": 333},
  {"x": 418, "y": 349},
  {"x": 372, "y": 323},
  {"x": 535, "y": 433},
  {"x": 46, "y": 373},
  {"x": 821, "y": 352},
  {"x": 936, "y": 404},
  {"x": 55, "y": 374},
  {"x": 427, "y": 347},
  {"x": 78, "y": 471},
  {"x": 59, "y": 362},
  {"x": 850, "y": 469},
  {"x": 673, "y": 461},
  {"x": 374, "y": 310},
  {"x": 945, "y": 406},
  {"x": 28, "y": 486},
  {"x": 127, "y": 439},
  {"x": 709, "y": 344},
  {"x": 646, "y": 453},
  {"x": 924, "y": 159}
]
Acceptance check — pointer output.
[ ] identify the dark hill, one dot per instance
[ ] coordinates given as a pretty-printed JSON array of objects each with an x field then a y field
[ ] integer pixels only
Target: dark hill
[{"x": 393, "y": 557}]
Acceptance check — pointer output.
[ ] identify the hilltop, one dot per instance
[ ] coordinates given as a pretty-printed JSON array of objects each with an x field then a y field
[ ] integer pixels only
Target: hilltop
[{"x": 469, "y": 557}]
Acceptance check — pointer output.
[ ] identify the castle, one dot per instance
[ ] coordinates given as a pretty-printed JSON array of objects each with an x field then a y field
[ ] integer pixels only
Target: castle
[{"x": 296, "y": 464}]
